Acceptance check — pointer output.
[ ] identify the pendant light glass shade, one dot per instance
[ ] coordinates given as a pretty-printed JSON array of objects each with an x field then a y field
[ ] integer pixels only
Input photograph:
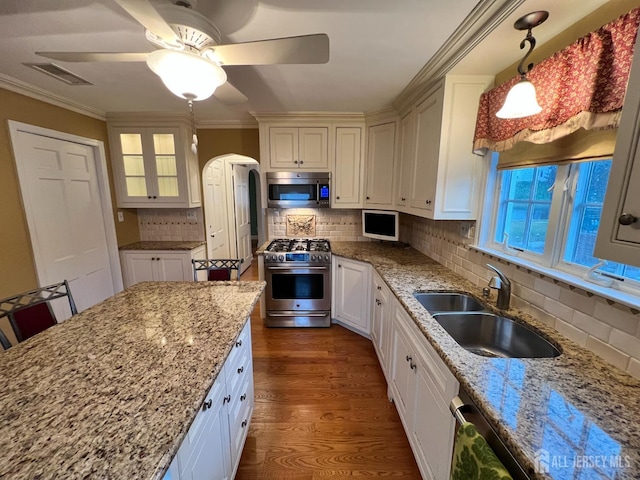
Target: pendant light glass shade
[
  {"x": 521, "y": 101},
  {"x": 185, "y": 74}
]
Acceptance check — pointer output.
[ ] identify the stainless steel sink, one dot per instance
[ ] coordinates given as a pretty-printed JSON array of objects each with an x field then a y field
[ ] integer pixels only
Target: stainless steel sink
[
  {"x": 437, "y": 302},
  {"x": 492, "y": 335}
]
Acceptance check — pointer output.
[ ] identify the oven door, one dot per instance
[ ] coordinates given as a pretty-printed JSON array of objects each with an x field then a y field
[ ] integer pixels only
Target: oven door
[{"x": 298, "y": 288}]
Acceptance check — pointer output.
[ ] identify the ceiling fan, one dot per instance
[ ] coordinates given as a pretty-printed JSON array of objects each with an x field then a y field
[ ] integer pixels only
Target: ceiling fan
[{"x": 190, "y": 58}]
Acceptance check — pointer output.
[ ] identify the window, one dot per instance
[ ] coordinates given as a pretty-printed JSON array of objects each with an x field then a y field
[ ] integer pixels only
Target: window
[{"x": 550, "y": 215}]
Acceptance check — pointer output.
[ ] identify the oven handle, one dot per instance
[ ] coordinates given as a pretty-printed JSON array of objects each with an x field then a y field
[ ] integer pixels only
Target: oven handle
[
  {"x": 300, "y": 314},
  {"x": 297, "y": 268}
]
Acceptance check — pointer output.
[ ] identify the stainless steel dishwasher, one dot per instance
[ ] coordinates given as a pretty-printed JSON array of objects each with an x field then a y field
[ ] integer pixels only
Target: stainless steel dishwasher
[{"x": 464, "y": 409}]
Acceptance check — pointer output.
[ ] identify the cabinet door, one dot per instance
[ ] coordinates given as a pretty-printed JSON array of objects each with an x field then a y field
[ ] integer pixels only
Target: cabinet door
[
  {"x": 425, "y": 170},
  {"x": 433, "y": 426},
  {"x": 138, "y": 267},
  {"x": 347, "y": 177},
  {"x": 619, "y": 236},
  {"x": 351, "y": 297},
  {"x": 404, "y": 170},
  {"x": 174, "y": 267},
  {"x": 403, "y": 368},
  {"x": 205, "y": 452},
  {"x": 167, "y": 177},
  {"x": 379, "y": 327},
  {"x": 380, "y": 161},
  {"x": 283, "y": 147},
  {"x": 313, "y": 148}
]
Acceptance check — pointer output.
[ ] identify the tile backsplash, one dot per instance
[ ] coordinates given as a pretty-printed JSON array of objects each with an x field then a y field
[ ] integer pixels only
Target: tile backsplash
[
  {"x": 332, "y": 224},
  {"x": 608, "y": 329},
  {"x": 173, "y": 224}
]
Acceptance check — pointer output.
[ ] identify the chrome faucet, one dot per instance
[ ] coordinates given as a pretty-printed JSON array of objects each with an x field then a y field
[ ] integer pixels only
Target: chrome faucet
[{"x": 503, "y": 285}]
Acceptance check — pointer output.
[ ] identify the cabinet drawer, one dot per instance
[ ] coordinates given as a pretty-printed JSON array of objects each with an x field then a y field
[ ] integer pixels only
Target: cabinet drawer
[{"x": 242, "y": 346}]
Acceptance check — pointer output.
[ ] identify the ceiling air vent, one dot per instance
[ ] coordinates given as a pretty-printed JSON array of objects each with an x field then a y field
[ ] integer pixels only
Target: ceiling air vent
[{"x": 58, "y": 72}]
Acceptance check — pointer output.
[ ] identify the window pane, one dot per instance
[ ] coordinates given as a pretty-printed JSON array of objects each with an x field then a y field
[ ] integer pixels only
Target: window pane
[
  {"x": 525, "y": 204},
  {"x": 598, "y": 181}
]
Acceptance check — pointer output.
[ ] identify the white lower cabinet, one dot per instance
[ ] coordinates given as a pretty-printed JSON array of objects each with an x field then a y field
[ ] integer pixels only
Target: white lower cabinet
[
  {"x": 422, "y": 387},
  {"x": 351, "y": 294},
  {"x": 212, "y": 447},
  {"x": 381, "y": 321},
  {"x": 158, "y": 265}
]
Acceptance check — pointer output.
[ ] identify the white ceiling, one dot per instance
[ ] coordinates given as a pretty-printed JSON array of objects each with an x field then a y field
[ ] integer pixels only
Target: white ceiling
[{"x": 376, "y": 48}]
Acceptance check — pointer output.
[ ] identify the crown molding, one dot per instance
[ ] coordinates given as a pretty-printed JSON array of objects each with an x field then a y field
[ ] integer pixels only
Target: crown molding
[
  {"x": 322, "y": 116},
  {"x": 385, "y": 115},
  {"x": 31, "y": 91},
  {"x": 482, "y": 20},
  {"x": 227, "y": 124}
]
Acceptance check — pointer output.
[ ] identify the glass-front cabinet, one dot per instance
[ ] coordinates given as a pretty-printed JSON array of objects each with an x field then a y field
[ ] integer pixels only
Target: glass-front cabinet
[{"x": 153, "y": 168}]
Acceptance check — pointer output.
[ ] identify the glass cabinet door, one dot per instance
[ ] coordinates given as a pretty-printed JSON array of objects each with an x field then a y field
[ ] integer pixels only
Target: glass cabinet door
[
  {"x": 133, "y": 162},
  {"x": 164, "y": 149}
]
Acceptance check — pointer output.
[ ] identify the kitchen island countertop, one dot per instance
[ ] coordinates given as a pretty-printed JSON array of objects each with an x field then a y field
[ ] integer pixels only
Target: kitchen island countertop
[
  {"x": 556, "y": 415},
  {"x": 162, "y": 245},
  {"x": 111, "y": 392}
]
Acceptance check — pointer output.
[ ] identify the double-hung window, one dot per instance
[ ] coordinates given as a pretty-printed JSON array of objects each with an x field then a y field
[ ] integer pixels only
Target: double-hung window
[{"x": 549, "y": 215}]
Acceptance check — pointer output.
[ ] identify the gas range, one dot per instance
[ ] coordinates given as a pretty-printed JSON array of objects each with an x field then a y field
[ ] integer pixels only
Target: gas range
[{"x": 299, "y": 250}]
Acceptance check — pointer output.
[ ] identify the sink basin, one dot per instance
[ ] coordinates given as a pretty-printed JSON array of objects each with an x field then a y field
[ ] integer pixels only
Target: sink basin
[
  {"x": 492, "y": 335},
  {"x": 437, "y": 302}
]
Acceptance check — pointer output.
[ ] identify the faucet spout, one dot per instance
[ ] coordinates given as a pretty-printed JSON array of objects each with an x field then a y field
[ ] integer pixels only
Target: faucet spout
[{"x": 503, "y": 285}]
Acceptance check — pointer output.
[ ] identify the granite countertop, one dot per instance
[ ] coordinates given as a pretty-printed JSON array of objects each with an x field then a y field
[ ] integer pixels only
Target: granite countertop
[
  {"x": 111, "y": 392},
  {"x": 162, "y": 245},
  {"x": 567, "y": 412}
]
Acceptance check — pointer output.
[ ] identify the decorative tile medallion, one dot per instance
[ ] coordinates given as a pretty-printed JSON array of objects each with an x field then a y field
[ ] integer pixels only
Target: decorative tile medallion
[{"x": 301, "y": 225}]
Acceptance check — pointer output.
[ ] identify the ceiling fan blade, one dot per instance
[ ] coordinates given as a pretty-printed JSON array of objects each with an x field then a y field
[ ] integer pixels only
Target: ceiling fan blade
[
  {"x": 94, "y": 56},
  {"x": 229, "y": 95},
  {"x": 149, "y": 17},
  {"x": 303, "y": 49}
]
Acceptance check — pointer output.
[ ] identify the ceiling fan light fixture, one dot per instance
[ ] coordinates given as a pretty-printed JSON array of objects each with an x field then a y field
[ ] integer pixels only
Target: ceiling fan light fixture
[
  {"x": 186, "y": 75},
  {"x": 521, "y": 101}
]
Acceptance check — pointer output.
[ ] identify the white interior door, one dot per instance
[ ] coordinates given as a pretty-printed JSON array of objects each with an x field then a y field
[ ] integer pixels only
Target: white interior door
[
  {"x": 64, "y": 211},
  {"x": 215, "y": 211},
  {"x": 242, "y": 215}
]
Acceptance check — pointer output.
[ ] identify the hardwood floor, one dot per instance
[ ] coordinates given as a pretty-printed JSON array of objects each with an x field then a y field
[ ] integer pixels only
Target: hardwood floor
[{"x": 321, "y": 408}]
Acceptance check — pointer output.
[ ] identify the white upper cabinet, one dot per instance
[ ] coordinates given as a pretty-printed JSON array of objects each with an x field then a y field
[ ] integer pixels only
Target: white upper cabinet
[
  {"x": 299, "y": 148},
  {"x": 619, "y": 231},
  {"x": 153, "y": 165},
  {"x": 438, "y": 175},
  {"x": 347, "y": 169},
  {"x": 404, "y": 170},
  {"x": 380, "y": 166}
]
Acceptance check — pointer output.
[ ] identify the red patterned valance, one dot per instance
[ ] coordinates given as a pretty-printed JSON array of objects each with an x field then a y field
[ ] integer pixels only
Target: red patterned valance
[{"x": 575, "y": 87}]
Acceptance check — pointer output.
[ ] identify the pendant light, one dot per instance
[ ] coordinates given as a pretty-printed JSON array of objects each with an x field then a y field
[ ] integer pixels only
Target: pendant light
[{"x": 521, "y": 100}]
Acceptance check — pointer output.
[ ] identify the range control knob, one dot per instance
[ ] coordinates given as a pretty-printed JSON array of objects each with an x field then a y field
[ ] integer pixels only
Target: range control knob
[
  {"x": 313, "y": 258},
  {"x": 281, "y": 258},
  {"x": 326, "y": 257}
]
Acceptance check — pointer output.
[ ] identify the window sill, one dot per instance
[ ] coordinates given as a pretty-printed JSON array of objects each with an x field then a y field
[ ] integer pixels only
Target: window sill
[{"x": 609, "y": 293}]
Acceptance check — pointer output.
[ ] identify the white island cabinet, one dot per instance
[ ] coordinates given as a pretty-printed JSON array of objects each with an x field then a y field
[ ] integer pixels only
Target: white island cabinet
[
  {"x": 214, "y": 442},
  {"x": 619, "y": 231}
]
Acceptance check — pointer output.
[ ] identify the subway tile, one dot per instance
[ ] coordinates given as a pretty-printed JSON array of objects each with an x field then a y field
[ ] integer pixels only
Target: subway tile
[
  {"x": 578, "y": 299},
  {"x": 592, "y": 326},
  {"x": 608, "y": 353},
  {"x": 625, "y": 342},
  {"x": 634, "y": 367},
  {"x": 546, "y": 288},
  {"x": 558, "y": 309},
  {"x": 571, "y": 332},
  {"x": 529, "y": 295},
  {"x": 618, "y": 316}
]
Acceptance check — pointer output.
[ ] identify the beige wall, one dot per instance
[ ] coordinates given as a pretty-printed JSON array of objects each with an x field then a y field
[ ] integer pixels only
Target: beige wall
[
  {"x": 16, "y": 256},
  {"x": 607, "y": 12},
  {"x": 215, "y": 142}
]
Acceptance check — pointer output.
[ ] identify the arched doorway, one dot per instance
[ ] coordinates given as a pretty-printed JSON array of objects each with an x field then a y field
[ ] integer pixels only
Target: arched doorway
[{"x": 233, "y": 211}]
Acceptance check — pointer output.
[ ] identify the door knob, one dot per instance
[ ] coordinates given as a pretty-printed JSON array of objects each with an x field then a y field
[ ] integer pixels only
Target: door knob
[{"x": 627, "y": 219}]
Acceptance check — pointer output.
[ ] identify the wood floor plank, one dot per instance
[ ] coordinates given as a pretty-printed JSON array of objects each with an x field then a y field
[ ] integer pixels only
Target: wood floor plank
[{"x": 321, "y": 408}]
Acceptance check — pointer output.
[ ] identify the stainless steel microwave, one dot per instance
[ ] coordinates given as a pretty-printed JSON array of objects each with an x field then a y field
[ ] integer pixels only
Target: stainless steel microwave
[{"x": 298, "y": 189}]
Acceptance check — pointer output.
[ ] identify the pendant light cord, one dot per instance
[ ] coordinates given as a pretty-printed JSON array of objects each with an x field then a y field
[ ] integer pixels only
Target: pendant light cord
[{"x": 194, "y": 136}]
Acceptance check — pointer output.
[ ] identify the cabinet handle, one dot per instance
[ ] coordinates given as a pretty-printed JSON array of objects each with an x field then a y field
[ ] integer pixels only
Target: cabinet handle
[
  {"x": 403, "y": 199},
  {"x": 428, "y": 202},
  {"x": 412, "y": 365},
  {"x": 240, "y": 370},
  {"x": 368, "y": 198},
  {"x": 627, "y": 219},
  {"x": 301, "y": 162},
  {"x": 239, "y": 343},
  {"x": 226, "y": 399},
  {"x": 207, "y": 405},
  {"x": 378, "y": 302},
  {"x": 295, "y": 161},
  {"x": 337, "y": 198},
  {"x": 243, "y": 397},
  {"x": 244, "y": 423},
  {"x": 149, "y": 197},
  {"x": 408, "y": 358},
  {"x": 379, "y": 287},
  {"x": 339, "y": 266}
]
